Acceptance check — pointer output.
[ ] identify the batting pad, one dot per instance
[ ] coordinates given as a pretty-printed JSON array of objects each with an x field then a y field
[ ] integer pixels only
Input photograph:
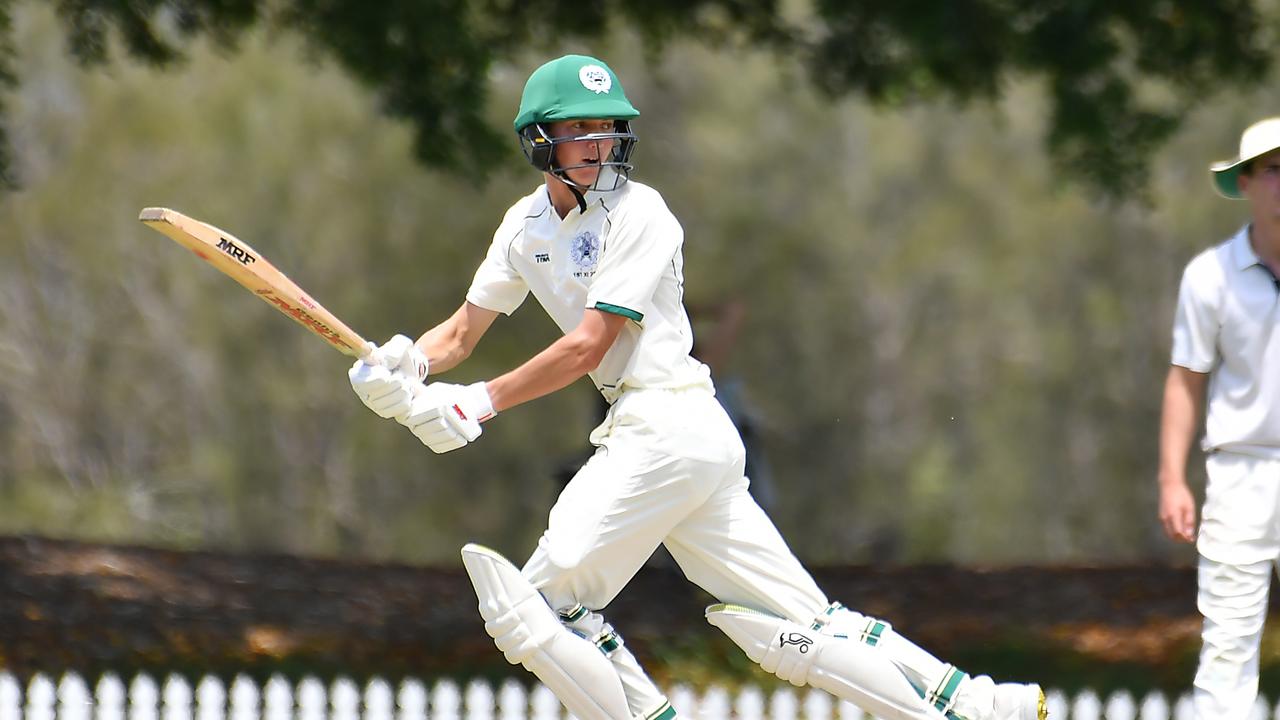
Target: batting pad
[
  {"x": 528, "y": 633},
  {"x": 846, "y": 668}
]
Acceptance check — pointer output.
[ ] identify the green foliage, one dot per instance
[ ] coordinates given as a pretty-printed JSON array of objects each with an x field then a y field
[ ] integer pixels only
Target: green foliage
[
  {"x": 1097, "y": 58},
  {"x": 431, "y": 62},
  {"x": 428, "y": 61},
  {"x": 89, "y": 23},
  {"x": 7, "y": 81}
]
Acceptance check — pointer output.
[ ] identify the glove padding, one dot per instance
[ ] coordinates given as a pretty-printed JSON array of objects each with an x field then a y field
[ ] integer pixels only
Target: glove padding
[
  {"x": 445, "y": 416},
  {"x": 387, "y": 387},
  {"x": 401, "y": 353}
]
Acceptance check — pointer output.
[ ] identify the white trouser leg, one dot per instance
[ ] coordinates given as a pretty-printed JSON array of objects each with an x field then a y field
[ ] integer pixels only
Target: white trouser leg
[
  {"x": 731, "y": 549},
  {"x": 608, "y": 521},
  {"x": 1238, "y": 543},
  {"x": 661, "y": 455},
  {"x": 1233, "y": 600}
]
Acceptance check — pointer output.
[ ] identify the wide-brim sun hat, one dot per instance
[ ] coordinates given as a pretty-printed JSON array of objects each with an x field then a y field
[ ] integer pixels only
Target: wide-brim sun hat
[{"x": 1257, "y": 140}]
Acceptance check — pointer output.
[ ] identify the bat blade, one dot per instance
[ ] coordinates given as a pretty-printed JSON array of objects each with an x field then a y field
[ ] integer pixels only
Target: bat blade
[{"x": 238, "y": 260}]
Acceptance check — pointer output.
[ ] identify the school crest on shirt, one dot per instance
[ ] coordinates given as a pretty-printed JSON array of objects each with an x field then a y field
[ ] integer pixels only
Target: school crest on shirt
[{"x": 584, "y": 251}]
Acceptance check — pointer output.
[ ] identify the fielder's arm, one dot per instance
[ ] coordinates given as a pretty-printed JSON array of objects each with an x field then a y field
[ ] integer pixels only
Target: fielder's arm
[
  {"x": 1184, "y": 392},
  {"x": 565, "y": 360}
]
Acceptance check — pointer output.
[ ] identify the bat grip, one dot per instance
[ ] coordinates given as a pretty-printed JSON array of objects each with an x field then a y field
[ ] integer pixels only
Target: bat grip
[{"x": 369, "y": 354}]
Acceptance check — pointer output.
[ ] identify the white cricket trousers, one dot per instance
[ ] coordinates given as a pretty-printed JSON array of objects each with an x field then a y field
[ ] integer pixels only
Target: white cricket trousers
[
  {"x": 1239, "y": 546},
  {"x": 668, "y": 470}
]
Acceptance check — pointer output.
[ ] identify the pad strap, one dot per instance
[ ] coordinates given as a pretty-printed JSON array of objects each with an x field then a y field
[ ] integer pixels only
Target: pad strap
[
  {"x": 943, "y": 695},
  {"x": 608, "y": 641},
  {"x": 573, "y": 614},
  {"x": 869, "y": 630}
]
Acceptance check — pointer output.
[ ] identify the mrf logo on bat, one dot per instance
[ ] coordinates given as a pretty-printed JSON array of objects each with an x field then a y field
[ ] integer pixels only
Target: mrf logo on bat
[{"x": 235, "y": 251}]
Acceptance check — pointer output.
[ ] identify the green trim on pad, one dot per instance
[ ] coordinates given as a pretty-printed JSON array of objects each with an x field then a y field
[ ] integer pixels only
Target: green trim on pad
[
  {"x": 573, "y": 614},
  {"x": 944, "y": 698},
  {"x": 873, "y": 635},
  {"x": 609, "y": 643},
  {"x": 666, "y": 712},
  {"x": 619, "y": 310}
]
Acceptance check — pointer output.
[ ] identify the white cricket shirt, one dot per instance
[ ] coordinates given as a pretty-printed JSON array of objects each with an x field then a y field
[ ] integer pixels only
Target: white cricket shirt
[
  {"x": 1225, "y": 325},
  {"x": 623, "y": 256}
]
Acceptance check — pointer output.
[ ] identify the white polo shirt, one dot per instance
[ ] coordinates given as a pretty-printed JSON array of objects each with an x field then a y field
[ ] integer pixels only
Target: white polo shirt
[
  {"x": 623, "y": 256},
  {"x": 1225, "y": 325}
]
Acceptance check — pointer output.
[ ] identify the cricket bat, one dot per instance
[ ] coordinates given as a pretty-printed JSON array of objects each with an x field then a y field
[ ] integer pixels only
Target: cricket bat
[{"x": 247, "y": 266}]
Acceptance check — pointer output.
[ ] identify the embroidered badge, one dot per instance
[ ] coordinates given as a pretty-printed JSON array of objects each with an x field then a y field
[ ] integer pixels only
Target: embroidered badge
[
  {"x": 595, "y": 78},
  {"x": 584, "y": 250}
]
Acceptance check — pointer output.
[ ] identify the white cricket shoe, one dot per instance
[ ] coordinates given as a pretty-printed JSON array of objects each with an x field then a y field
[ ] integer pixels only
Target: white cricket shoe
[
  {"x": 1018, "y": 701},
  {"x": 984, "y": 699}
]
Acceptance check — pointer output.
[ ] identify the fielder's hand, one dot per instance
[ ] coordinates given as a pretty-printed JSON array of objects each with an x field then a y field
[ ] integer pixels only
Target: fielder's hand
[
  {"x": 388, "y": 386},
  {"x": 445, "y": 417},
  {"x": 1178, "y": 511}
]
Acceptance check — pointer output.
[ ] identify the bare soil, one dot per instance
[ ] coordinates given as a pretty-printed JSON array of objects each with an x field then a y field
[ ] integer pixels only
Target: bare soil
[{"x": 91, "y": 608}]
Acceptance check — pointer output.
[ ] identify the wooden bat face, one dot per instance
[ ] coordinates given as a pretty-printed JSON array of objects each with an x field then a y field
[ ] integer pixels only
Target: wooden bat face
[{"x": 246, "y": 266}]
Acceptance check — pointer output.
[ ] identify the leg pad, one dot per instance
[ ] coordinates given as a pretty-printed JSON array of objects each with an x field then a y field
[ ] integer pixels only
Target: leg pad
[
  {"x": 850, "y": 670},
  {"x": 529, "y": 633}
]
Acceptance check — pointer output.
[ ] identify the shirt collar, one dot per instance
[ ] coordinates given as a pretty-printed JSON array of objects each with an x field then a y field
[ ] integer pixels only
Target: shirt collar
[
  {"x": 590, "y": 197},
  {"x": 608, "y": 176},
  {"x": 1242, "y": 254}
]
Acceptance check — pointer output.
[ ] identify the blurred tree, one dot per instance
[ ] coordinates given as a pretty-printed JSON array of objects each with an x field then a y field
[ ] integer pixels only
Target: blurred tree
[{"x": 1120, "y": 75}]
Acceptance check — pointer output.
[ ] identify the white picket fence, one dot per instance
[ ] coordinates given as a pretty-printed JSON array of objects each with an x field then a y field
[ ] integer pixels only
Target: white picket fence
[{"x": 70, "y": 698}]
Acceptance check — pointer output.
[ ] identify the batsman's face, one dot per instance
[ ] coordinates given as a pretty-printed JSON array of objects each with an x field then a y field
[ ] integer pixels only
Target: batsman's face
[
  {"x": 1262, "y": 187},
  {"x": 581, "y": 159}
]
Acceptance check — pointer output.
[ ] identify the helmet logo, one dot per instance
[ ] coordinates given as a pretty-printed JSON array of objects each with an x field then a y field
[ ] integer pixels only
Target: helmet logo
[{"x": 595, "y": 78}]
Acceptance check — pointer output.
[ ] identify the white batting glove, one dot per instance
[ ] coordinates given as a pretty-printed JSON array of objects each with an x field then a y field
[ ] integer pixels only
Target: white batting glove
[
  {"x": 400, "y": 353},
  {"x": 387, "y": 387},
  {"x": 445, "y": 416}
]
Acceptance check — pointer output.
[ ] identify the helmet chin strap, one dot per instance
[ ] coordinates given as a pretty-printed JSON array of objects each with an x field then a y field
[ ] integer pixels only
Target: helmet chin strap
[{"x": 578, "y": 195}]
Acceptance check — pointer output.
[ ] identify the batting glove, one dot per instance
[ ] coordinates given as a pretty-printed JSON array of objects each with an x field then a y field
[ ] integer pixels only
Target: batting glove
[
  {"x": 387, "y": 386},
  {"x": 445, "y": 416},
  {"x": 400, "y": 353}
]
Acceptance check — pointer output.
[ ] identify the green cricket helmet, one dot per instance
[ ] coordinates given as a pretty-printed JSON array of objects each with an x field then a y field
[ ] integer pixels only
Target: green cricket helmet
[{"x": 576, "y": 87}]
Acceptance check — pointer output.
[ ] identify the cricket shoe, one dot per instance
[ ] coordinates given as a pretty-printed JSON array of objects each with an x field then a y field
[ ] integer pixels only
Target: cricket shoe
[
  {"x": 1018, "y": 701},
  {"x": 983, "y": 699}
]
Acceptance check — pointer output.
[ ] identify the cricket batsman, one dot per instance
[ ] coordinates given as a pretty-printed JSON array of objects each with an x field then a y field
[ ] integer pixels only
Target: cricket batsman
[{"x": 602, "y": 255}]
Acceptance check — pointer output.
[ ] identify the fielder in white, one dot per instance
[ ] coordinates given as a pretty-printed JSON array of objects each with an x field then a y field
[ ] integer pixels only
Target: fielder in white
[
  {"x": 603, "y": 257},
  {"x": 1226, "y": 347}
]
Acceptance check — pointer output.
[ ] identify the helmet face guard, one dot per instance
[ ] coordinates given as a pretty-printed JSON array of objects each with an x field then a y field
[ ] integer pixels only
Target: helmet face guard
[{"x": 539, "y": 147}]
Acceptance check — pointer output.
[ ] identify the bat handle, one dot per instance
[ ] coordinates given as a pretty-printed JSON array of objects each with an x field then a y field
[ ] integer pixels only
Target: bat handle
[{"x": 368, "y": 354}]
